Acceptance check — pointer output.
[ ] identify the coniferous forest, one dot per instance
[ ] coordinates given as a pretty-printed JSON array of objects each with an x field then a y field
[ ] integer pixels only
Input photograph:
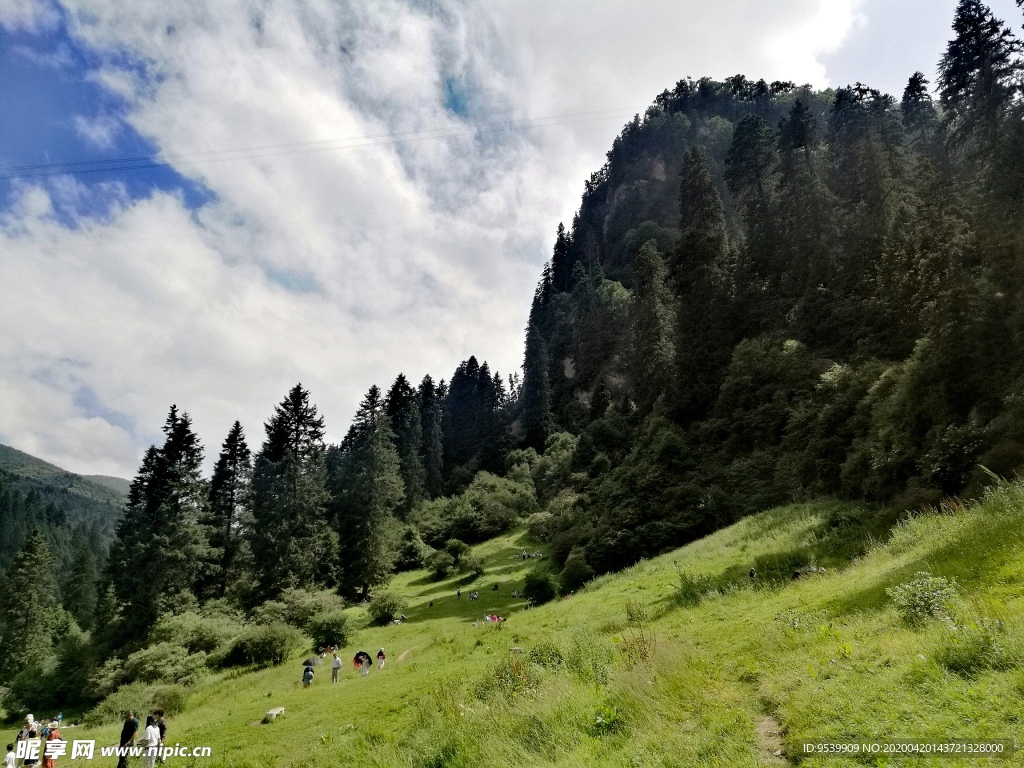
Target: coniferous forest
[{"x": 768, "y": 294}]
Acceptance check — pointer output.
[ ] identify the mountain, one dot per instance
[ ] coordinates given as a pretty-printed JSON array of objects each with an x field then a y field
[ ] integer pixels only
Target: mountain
[{"x": 74, "y": 511}]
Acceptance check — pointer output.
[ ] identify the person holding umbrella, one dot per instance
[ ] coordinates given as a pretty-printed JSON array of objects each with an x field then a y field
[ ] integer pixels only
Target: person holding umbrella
[{"x": 362, "y": 662}]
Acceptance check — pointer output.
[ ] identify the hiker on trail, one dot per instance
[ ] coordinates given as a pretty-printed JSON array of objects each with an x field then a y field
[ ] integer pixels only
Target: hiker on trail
[
  {"x": 362, "y": 661},
  {"x": 9, "y": 758},
  {"x": 335, "y": 667},
  {"x": 151, "y": 741},
  {"x": 307, "y": 676},
  {"x": 34, "y": 734},
  {"x": 380, "y": 659},
  {"x": 430, "y": 604},
  {"x": 458, "y": 594},
  {"x": 128, "y": 731},
  {"x": 494, "y": 588},
  {"x": 753, "y": 574}
]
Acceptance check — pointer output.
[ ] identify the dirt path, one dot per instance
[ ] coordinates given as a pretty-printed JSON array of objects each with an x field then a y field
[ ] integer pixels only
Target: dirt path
[
  {"x": 769, "y": 741},
  {"x": 407, "y": 652}
]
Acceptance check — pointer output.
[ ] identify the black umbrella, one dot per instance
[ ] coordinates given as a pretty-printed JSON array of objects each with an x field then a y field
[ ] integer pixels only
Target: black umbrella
[{"x": 315, "y": 661}]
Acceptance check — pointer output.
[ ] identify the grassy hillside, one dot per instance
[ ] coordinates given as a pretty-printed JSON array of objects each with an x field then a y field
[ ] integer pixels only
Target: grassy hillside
[
  {"x": 735, "y": 671},
  {"x": 26, "y": 472}
]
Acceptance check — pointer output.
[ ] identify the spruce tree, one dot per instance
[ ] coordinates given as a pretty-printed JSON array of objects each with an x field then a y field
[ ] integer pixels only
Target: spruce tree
[
  {"x": 977, "y": 72},
  {"x": 28, "y": 605},
  {"x": 536, "y": 392},
  {"x": 403, "y": 412},
  {"x": 367, "y": 491},
  {"x": 650, "y": 328},
  {"x": 81, "y": 593},
  {"x": 919, "y": 118},
  {"x": 292, "y": 544},
  {"x": 432, "y": 431},
  {"x": 161, "y": 548},
  {"x": 230, "y": 508}
]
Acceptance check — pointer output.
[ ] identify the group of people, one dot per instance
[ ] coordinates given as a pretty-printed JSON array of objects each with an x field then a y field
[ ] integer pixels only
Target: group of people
[
  {"x": 152, "y": 737},
  {"x": 33, "y": 729},
  {"x": 361, "y": 661},
  {"x": 526, "y": 555}
]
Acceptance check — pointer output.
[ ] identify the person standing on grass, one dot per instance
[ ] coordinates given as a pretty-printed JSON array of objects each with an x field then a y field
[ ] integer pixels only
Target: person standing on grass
[
  {"x": 335, "y": 667},
  {"x": 128, "y": 731},
  {"x": 151, "y": 741},
  {"x": 9, "y": 758},
  {"x": 161, "y": 724},
  {"x": 362, "y": 662},
  {"x": 307, "y": 677},
  {"x": 380, "y": 659},
  {"x": 50, "y": 761},
  {"x": 33, "y": 734}
]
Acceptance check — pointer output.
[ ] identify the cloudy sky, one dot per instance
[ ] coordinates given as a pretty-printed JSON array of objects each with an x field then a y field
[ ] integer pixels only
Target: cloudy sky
[{"x": 205, "y": 203}]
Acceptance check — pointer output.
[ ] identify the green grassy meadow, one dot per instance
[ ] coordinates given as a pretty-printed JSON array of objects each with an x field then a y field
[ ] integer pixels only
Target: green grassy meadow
[{"x": 734, "y": 674}]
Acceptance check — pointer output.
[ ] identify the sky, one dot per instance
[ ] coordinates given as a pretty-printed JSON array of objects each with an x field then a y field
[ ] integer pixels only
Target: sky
[{"x": 206, "y": 203}]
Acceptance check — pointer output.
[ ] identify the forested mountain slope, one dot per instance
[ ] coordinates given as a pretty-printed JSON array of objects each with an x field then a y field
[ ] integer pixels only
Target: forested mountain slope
[
  {"x": 770, "y": 293},
  {"x": 74, "y": 512}
]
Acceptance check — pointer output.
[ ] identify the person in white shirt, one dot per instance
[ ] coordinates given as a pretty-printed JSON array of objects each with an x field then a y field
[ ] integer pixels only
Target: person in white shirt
[
  {"x": 9, "y": 757},
  {"x": 151, "y": 741},
  {"x": 335, "y": 667}
]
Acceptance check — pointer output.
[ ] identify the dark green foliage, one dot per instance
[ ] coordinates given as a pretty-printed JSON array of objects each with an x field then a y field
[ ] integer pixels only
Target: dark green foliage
[
  {"x": 161, "y": 554},
  {"x": 650, "y": 329},
  {"x": 386, "y": 607},
  {"x": 81, "y": 592},
  {"x": 28, "y": 608},
  {"x": 576, "y": 573},
  {"x": 539, "y": 587},
  {"x": 291, "y": 545},
  {"x": 330, "y": 628},
  {"x": 263, "y": 646},
  {"x": 230, "y": 510}
]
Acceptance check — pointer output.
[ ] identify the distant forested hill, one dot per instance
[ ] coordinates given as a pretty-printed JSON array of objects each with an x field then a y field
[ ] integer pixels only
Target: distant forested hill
[{"x": 74, "y": 512}]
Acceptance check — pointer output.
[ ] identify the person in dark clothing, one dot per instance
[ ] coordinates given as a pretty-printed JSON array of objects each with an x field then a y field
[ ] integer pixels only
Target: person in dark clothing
[
  {"x": 362, "y": 662},
  {"x": 128, "y": 731}
]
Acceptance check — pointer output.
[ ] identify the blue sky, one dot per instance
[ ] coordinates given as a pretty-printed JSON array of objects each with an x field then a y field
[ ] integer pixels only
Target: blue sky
[{"x": 269, "y": 243}]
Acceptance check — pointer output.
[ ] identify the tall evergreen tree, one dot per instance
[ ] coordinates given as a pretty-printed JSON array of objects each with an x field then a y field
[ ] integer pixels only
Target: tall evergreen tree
[
  {"x": 28, "y": 605},
  {"x": 562, "y": 261},
  {"x": 536, "y": 393},
  {"x": 919, "y": 118},
  {"x": 230, "y": 508},
  {"x": 367, "y": 491},
  {"x": 977, "y": 73},
  {"x": 161, "y": 549},
  {"x": 650, "y": 328},
  {"x": 406, "y": 424},
  {"x": 291, "y": 544},
  {"x": 81, "y": 593},
  {"x": 433, "y": 438}
]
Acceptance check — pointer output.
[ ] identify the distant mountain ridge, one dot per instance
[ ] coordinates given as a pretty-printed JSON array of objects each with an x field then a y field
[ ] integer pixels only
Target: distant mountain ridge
[{"x": 75, "y": 510}]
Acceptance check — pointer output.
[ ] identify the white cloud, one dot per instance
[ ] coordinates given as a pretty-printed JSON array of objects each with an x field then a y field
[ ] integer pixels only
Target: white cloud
[
  {"x": 28, "y": 15},
  {"x": 339, "y": 267},
  {"x": 101, "y": 130}
]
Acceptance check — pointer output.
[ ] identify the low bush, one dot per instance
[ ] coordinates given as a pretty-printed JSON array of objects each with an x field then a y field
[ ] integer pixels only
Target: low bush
[
  {"x": 692, "y": 589},
  {"x": 262, "y": 645},
  {"x": 576, "y": 572},
  {"x": 440, "y": 563},
  {"x": 302, "y": 605},
  {"x": 471, "y": 565},
  {"x": 330, "y": 628},
  {"x": 386, "y": 607},
  {"x": 977, "y": 647},
  {"x": 925, "y": 598},
  {"x": 588, "y": 659},
  {"x": 139, "y": 698},
  {"x": 539, "y": 587},
  {"x": 195, "y": 633},
  {"x": 509, "y": 677},
  {"x": 165, "y": 663}
]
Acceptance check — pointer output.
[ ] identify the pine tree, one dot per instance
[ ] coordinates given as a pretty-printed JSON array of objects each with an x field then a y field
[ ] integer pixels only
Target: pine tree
[
  {"x": 161, "y": 549},
  {"x": 536, "y": 392},
  {"x": 367, "y": 490},
  {"x": 703, "y": 242},
  {"x": 561, "y": 261},
  {"x": 230, "y": 508},
  {"x": 403, "y": 412},
  {"x": 977, "y": 72},
  {"x": 81, "y": 593},
  {"x": 291, "y": 544},
  {"x": 650, "y": 328},
  {"x": 433, "y": 440},
  {"x": 28, "y": 605},
  {"x": 919, "y": 118}
]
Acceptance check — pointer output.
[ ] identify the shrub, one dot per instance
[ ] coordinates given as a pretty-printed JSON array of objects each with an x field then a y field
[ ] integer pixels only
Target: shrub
[
  {"x": 606, "y": 720},
  {"x": 164, "y": 663},
  {"x": 105, "y": 680},
  {"x": 456, "y": 548},
  {"x": 195, "y": 633},
  {"x": 139, "y": 698},
  {"x": 262, "y": 645},
  {"x": 301, "y": 605},
  {"x": 539, "y": 524},
  {"x": 588, "y": 660},
  {"x": 546, "y": 654},
  {"x": 539, "y": 587},
  {"x": 470, "y": 564},
  {"x": 926, "y": 597},
  {"x": 330, "y": 628},
  {"x": 441, "y": 563},
  {"x": 385, "y": 607},
  {"x": 270, "y": 612},
  {"x": 577, "y": 571}
]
